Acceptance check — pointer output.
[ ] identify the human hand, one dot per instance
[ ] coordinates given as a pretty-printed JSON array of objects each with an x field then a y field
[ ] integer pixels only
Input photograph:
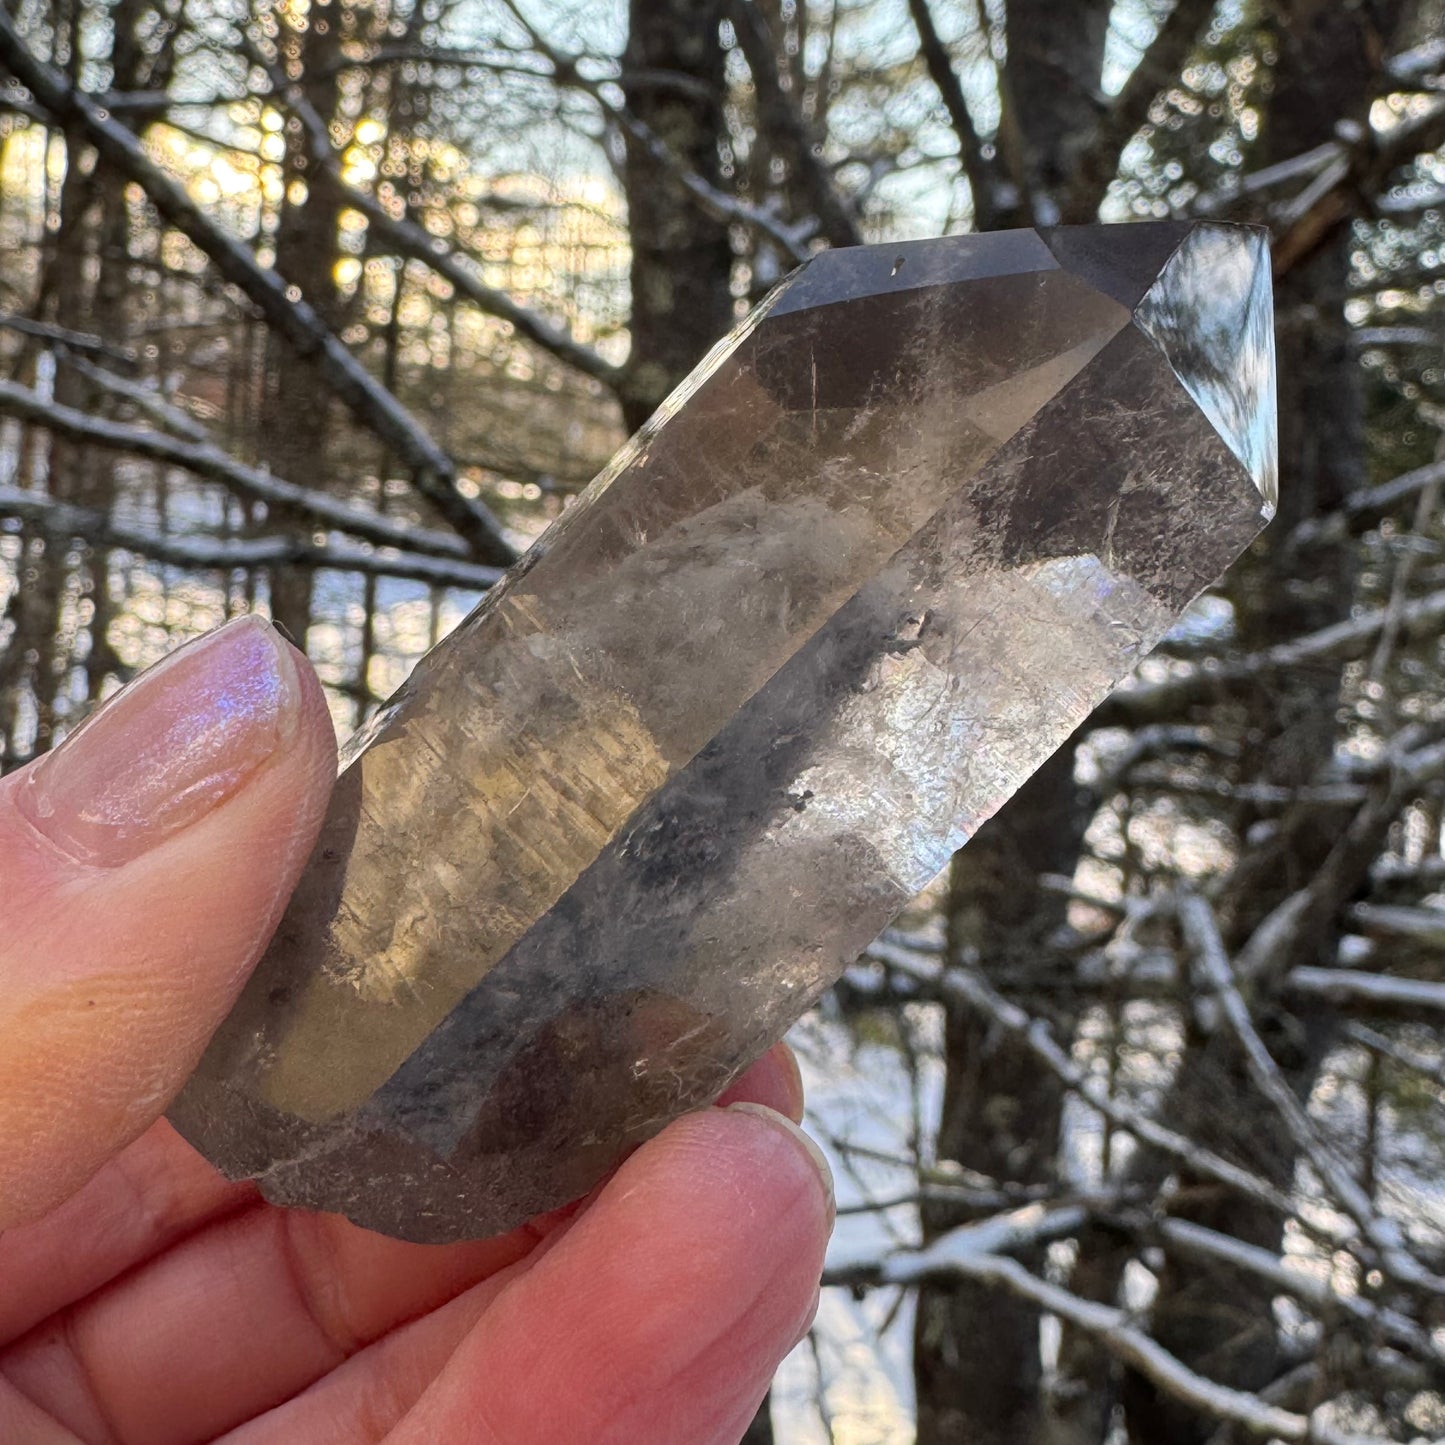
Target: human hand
[{"x": 146, "y": 1301}]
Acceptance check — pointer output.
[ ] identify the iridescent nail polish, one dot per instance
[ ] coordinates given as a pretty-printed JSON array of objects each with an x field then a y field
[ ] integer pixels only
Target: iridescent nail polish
[{"x": 168, "y": 748}]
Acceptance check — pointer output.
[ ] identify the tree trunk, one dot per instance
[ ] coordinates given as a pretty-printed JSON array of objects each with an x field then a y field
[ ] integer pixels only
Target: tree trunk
[
  {"x": 681, "y": 258},
  {"x": 1052, "y": 95},
  {"x": 84, "y": 286},
  {"x": 760, "y": 1432},
  {"x": 296, "y": 415},
  {"x": 976, "y": 1351}
]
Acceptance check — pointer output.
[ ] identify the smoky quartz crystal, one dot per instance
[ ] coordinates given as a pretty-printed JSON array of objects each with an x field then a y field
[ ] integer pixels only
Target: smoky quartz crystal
[{"x": 864, "y": 571}]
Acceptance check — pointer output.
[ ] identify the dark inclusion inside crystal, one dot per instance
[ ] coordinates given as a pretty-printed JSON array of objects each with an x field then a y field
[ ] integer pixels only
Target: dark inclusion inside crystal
[{"x": 876, "y": 560}]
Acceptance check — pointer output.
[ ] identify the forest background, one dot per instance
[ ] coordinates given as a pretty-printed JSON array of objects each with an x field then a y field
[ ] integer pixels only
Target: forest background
[{"x": 326, "y": 308}]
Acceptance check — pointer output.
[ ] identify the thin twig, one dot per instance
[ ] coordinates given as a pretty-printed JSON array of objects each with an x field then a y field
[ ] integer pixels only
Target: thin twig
[
  {"x": 210, "y": 462},
  {"x": 780, "y": 111},
  {"x": 970, "y": 145},
  {"x": 79, "y": 341},
  {"x": 1363, "y": 508},
  {"x": 1432, "y": 1068},
  {"x": 60, "y": 519},
  {"x": 434, "y": 252},
  {"x": 1341, "y": 642},
  {"x": 970, "y": 1252},
  {"x": 967, "y": 987},
  {"x": 793, "y": 240},
  {"x": 1307, "y": 163},
  {"x": 1400, "y": 585},
  {"x": 291, "y": 318},
  {"x": 1201, "y": 930}
]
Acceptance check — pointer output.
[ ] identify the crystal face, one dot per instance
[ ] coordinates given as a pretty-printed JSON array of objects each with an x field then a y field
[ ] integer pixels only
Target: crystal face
[{"x": 869, "y": 566}]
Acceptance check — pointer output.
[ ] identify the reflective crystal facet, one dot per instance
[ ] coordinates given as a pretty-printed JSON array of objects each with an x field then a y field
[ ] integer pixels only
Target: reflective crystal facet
[{"x": 868, "y": 567}]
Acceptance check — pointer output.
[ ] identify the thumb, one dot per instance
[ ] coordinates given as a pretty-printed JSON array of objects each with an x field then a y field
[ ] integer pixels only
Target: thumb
[{"x": 143, "y": 866}]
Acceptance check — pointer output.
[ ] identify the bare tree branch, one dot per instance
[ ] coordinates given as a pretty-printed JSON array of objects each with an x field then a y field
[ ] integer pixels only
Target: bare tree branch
[
  {"x": 291, "y": 318},
  {"x": 209, "y": 461},
  {"x": 969, "y": 1253},
  {"x": 1417, "y": 63},
  {"x": 143, "y": 395},
  {"x": 1342, "y": 642},
  {"x": 1367, "y": 157},
  {"x": 1428, "y": 870},
  {"x": 76, "y": 341},
  {"x": 1186, "y": 1237},
  {"x": 13, "y": 101},
  {"x": 1391, "y": 920},
  {"x": 1317, "y": 201},
  {"x": 967, "y": 987},
  {"x": 495, "y": 58},
  {"x": 1347, "y": 985},
  {"x": 1306, "y": 165},
  {"x": 970, "y": 146},
  {"x": 1261, "y": 795},
  {"x": 964, "y": 1194},
  {"x": 565, "y": 74},
  {"x": 1014, "y": 1229},
  {"x": 1433, "y": 1068},
  {"x": 1367, "y": 336},
  {"x": 793, "y": 240},
  {"x": 781, "y": 114},
  {"x": 1202, "y": 933},
  {"x": 1158, "y": 67},
  {"x": 418, "y": 244},
  {"x": 1367, "y": 506},
  {"x": 59, "y": 519},
  {"x": 1298, "y": 927}
]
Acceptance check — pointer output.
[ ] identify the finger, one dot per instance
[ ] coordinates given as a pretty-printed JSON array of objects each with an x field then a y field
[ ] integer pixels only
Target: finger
[
  {"x": 160, "y": 1190},
  {"x": 143, "y": 865},
  {"x": 235, "y": 1319},
  {"x": 774, "y": 1080},
  {"x": 661, "y": 1315},
  {"x": 358, "y": 1403},
  {"x": 300, "y": 1271},
  {"x": 362, "y": 1399},
  {"x": 149, "y": 1197},
  {"x": 25, "y": 1423},
  {"x": 372, "y": 1392}
]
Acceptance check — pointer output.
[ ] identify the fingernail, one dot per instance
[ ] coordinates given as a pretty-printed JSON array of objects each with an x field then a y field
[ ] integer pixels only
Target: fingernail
[
  {"x": 168, "y": 748},
  {"x": 816, "y": 1157}
]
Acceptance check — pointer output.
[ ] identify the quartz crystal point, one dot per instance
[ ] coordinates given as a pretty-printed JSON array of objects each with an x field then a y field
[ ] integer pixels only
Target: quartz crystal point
[{"x": 864, "y": 571}]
